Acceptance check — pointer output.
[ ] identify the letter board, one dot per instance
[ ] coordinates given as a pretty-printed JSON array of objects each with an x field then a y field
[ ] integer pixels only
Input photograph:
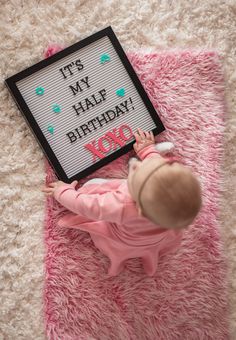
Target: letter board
[{"x": 83, "y": 105}]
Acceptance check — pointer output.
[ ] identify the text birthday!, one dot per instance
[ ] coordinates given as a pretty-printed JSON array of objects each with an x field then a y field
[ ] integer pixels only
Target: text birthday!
[{"x": 100, "y": 120}]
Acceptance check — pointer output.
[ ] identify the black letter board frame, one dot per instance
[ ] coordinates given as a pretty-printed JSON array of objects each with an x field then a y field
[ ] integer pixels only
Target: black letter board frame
[{"x": 11, "y": 84}]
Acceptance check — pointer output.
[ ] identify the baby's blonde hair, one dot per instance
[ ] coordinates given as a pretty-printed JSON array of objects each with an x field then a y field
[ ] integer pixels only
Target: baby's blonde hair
[{"x": 171, "y": 197}]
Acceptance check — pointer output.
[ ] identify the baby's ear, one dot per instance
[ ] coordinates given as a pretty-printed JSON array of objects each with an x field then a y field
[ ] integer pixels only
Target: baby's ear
[
  {"x": 140, "y": 211},
  {"x": 132, "y": 159}
]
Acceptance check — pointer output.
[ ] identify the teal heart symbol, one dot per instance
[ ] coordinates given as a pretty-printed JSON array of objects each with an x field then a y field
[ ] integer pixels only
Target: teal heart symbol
[
  {"x": 56, "y": 108},
  {"x": 39, "y": 91},
  {"x": 120, "y": 92},
  {"x": 104, "y": 58},
  {"x": 51, "y": 129}
]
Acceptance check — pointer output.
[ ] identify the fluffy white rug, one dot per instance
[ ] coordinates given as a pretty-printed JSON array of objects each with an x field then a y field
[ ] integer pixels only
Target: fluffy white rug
[{"x": 26, "y": 28}]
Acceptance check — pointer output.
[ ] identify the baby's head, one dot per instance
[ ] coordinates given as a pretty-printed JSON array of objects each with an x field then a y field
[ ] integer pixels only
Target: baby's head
[{"x": 166, "y": 192}]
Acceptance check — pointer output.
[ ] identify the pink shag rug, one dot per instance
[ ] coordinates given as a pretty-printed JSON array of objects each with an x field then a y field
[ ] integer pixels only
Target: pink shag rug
[{"x": 187, "y": 297}]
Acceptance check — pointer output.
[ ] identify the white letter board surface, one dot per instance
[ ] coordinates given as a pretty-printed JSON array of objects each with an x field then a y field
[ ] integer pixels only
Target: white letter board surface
[{"x": 83, "y": 105}]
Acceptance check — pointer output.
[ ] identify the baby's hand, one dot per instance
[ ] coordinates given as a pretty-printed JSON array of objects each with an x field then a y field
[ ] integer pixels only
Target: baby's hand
[
  {"x": 143, "y": 139},
  {"x": 50, "y": 189}
]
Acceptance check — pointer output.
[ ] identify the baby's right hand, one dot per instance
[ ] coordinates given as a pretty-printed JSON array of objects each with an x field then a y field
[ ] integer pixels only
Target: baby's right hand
[{"x": 143, "y": 139}]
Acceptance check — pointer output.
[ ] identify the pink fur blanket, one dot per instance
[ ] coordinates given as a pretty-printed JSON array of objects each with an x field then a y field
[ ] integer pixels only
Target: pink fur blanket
[{"x": 187, "y": 297}]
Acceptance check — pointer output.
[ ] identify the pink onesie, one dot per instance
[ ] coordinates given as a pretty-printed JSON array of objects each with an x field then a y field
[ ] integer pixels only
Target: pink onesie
[{"x": 107, "y": 211}]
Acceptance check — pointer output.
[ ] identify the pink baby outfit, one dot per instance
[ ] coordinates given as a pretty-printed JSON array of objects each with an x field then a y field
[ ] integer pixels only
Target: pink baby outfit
[{"x": 108, "y": 212}]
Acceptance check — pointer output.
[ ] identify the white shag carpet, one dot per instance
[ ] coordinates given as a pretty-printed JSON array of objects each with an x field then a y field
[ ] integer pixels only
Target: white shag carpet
[{"x": 26, "y": 29}]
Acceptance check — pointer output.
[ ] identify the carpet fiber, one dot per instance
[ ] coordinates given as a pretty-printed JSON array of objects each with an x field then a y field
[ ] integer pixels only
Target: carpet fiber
[
  {"x": 187, "y": 297},
  {"x": 27, "y": 27}
]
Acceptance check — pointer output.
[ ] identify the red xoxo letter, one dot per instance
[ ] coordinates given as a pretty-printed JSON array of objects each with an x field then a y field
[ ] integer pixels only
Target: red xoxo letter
[
  {"x": 96, "y": 153},
  {"x": 115, "y": 139}
]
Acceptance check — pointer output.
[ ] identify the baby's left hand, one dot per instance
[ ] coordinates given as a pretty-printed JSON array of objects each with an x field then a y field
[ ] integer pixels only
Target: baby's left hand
[{"x": 50, "y": 189}]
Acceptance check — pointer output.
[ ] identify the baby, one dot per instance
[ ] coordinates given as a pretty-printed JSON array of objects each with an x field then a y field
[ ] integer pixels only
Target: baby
[{"x": 142, "y": 216}]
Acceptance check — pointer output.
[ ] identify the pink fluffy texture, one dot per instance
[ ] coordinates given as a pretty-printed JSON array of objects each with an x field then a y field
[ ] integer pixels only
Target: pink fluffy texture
[{"x": 187, "y": 297}]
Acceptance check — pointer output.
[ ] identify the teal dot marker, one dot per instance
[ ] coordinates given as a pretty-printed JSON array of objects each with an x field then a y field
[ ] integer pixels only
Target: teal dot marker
[
  {"x": 56, "y": 108},
  {"x": 120, "y": 92},
  {"x": 104, "y": 58},
  {"x": 39, "y": 91},
  {"x": 51, "y": 129}
]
